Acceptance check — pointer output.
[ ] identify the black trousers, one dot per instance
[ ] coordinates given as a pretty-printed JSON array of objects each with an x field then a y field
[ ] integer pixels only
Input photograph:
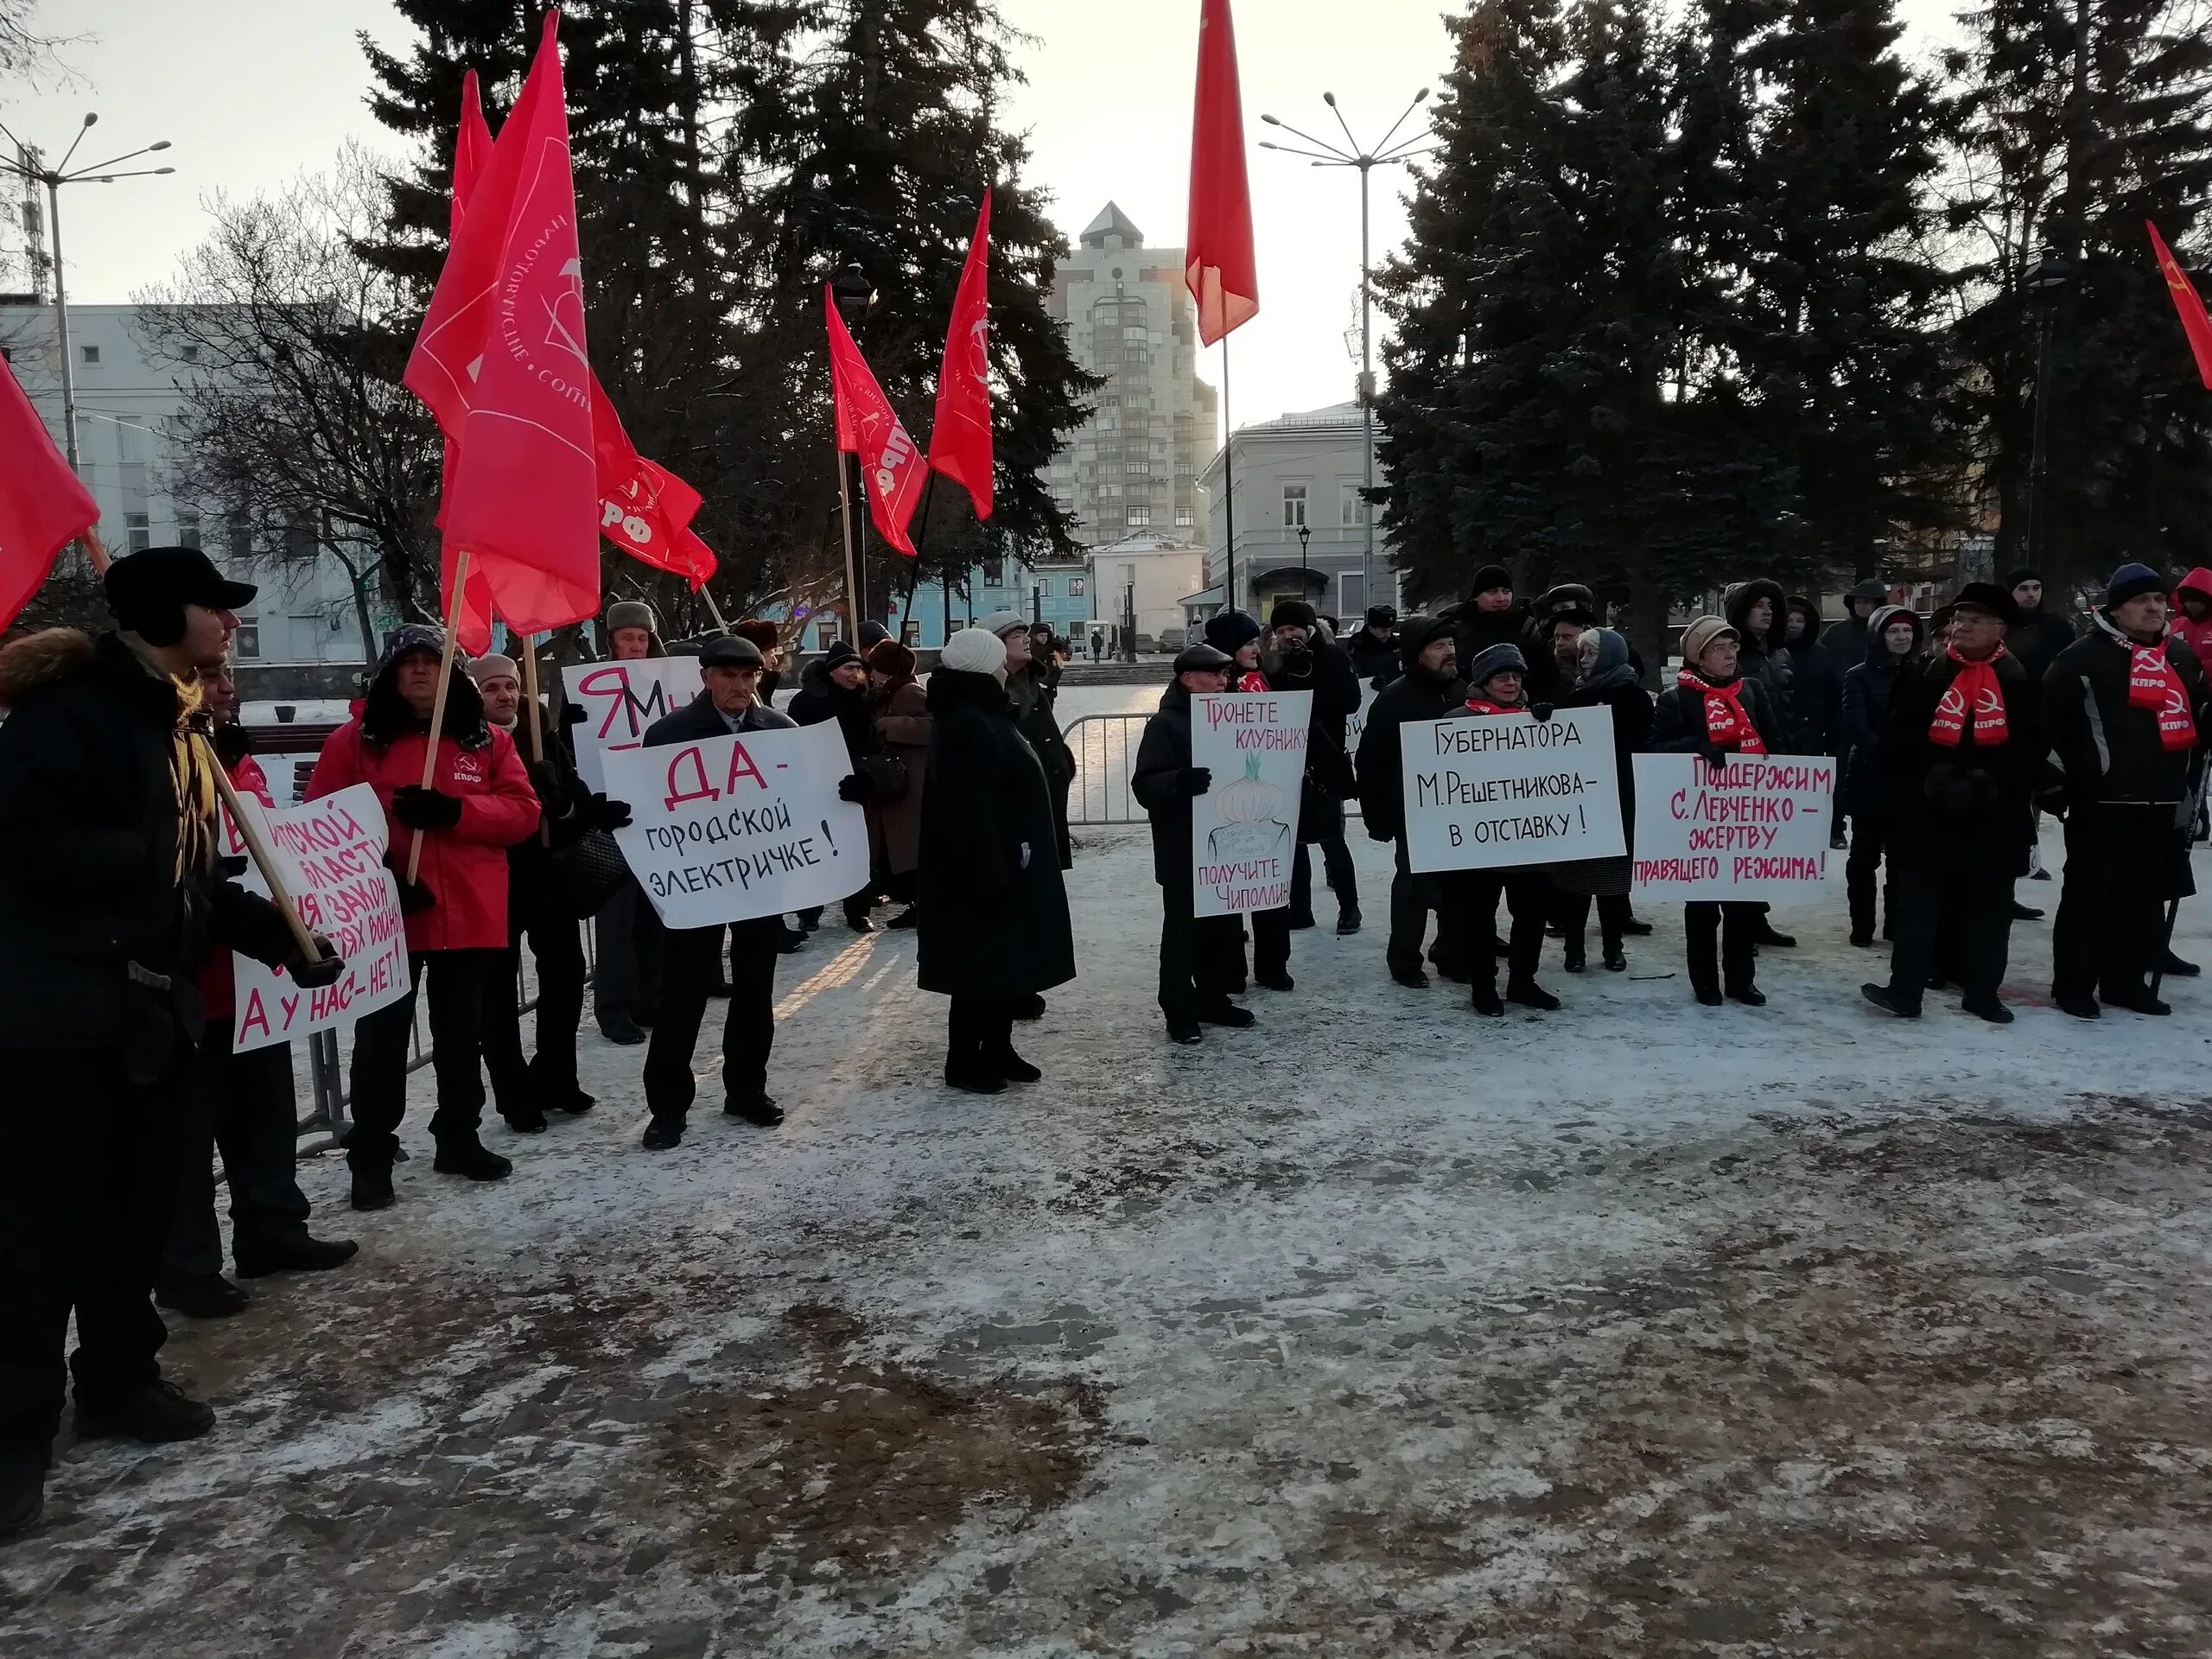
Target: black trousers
[
  {"x": 2106, "y": 938},
  {"x": 1411, "y": 897},
  {"x": 1613, "y": 914},
  {"x": 1959, "y": 925},
  {"x": 87, "y": 1186},
  {"x": 692, "y": 968},
  {"x": 630, "y": 942},
  {"x": 1470, "y": 899},
  {"x": 1722, "y": 954},
  {"x": 977, "y": 1029},
  {"x": 1198, "y": 956},
  {"x": 242, "y": 1104},
  {"x": 1270, "y": 943},
  {"x": 1870, "y": 839},
  {"x": 1336, "y": 863},
  {"x": 452, "y": 985},
  {"x": 548, "y": 1080}
]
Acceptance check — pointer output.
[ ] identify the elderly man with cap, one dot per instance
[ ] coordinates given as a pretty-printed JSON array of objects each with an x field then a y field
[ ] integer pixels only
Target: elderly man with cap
[
  {"x": 632, "y": 631},
  {"x": 1964, "y": 750},
  {"x": 994, "y": 932},
  {"x": 526, "y": 1091},
  {"x": 112, "y": 896},
  {"x": 1298, "y": 655},
  {"x": 728, "y": 705},
  {"x": 1195, "y": 954},
  {"x": 2126, "y": 708},
  {"x": 1429, "y": 688}
]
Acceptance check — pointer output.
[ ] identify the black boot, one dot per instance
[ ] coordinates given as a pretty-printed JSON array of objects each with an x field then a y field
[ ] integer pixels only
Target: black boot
[
  {"x": 1220, "y": 1011},
  {"x": 1485, "y": 998},
  {"x": 372, "y": 1188},
  {"x": 201, "y": 1296},
  {"x": 155, "y": 1412},
  {"x": 23, "y": 1487},
  {"x": 526, "y": 1120},
  {"x": 616, "y": 1025},
  {"x": 303, "y": 1254},
  {"x": 1880, "y": 996},
  {"x": 471, "y": 1158},
  {"x": 758, "y": 1108},
  {"x": 664, "y": 1132},
  {"x": 1529, "y": 994},
  {"x": 2174, "y": 968},
  {"x": 1010, "y": 1065}
]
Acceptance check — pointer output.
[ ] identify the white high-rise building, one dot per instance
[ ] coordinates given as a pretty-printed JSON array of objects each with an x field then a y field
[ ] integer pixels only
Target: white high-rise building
[{"x": 1134, "y": 465}]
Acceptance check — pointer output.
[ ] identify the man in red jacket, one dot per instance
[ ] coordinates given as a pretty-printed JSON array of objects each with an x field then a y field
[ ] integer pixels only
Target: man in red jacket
[{"x": 478, "y": 804}]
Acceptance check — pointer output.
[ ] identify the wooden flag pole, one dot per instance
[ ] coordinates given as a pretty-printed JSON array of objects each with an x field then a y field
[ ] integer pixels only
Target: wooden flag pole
[
  {"x": 438, "y": 704},
  {"x": 852, "y": 579},
  {"x": 530, "y": 696},
  {"x": 714, "y": 610},
  {"x": 308, "y": 949}
]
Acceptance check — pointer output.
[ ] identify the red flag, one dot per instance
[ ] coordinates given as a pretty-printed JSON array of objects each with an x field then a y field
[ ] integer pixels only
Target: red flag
[
  {"x": 43, "y": 505},
  {"x": 645, "y": 509},
  {"x": 472, "y": 147},
  {"x": 960, "y": 438},
  {"x": 501, "y": 362},
  {"x": 1219, "y": 268},
  {"x": 868, "y": 427},
  {"x": 2193, "y": 323}
]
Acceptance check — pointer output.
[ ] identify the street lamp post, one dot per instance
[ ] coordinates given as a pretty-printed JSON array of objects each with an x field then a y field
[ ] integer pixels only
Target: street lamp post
[
  {"x": 1304, "y": 541},
  {"x": 2049, "y": 278},
  {"x": 24, "y": 164},
  {"x": 1390, "y": 151}
]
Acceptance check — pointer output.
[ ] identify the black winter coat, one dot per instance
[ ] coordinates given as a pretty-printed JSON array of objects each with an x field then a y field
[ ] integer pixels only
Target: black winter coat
[
  {"x": 1678, "y": 720},
  {"x": 1845, "y": 642},
  {"x": 89, "y": 826},
  {"x": 1867, "y": 693},
  {"x": 1163, "y": 755},
  {"x": 1632, "y": 717},
  {"x": 1328, "y": 779},
  {"x": 993, "y": 910},
  {"x": 1970, "y": 809},
  {"x": 1765, "y": 660},
  {"x": 1816, "y": 687},
  {"x": 2110, "y": 750},
  {"x": 698, "y": 720},
  {"x": 820, "y": 698},
  {"x": 2043, "y": 633},
  {"x": 1376, "y": 661},
  {"x": 1415, "y": 696},
  {"x": 1475, "y": 630}
]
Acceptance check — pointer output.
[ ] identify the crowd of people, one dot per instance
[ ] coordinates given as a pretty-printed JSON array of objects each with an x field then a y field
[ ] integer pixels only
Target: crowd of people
[{"x": 119, "y": 912}]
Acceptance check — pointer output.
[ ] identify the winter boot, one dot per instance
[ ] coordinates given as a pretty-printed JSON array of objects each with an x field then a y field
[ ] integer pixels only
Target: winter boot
[
  {"x": 760, "y": 1108},
  {"x": 1882, "y": 998},
  {"x": 201, "y": 1296},
  {"x": 1010, "y": 1065},
  {"x": 1348, "y": 920},
  {"x": 1485, "y": 998},
  {"x": 303, "y": 1254},
  {"x": 372, "y": 1188},
  {"x": 153, "y": 1412},
  {"x": 663, "y": 1133},
  {"x": 1220, "y": 1011},
  {"x": 1529, "y": 994},
  {"x": 472, "y": 1160},
  {"x": 23, "y": 1487}
]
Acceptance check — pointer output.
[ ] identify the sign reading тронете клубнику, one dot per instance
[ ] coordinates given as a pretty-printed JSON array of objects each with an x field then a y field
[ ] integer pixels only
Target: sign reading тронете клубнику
[
  {"x": 736, "y": 827},
  {"x": 1757, "y": 833},
  {"x": 1244, "y": 830},
  {"x": 1493, "y": 790}
]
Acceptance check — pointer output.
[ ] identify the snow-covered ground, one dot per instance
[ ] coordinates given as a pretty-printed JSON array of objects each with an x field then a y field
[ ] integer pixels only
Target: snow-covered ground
[{"x": 1639, "y": 1328}]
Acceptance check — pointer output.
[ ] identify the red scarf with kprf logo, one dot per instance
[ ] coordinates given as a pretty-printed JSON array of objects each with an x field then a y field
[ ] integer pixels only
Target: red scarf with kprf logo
[
  {"x": 1973, "y": 703},
  {"x": 1251, "y": 680},
  {"x": 1483, "y": 706},
  {"x": 1726, "y": 722},
  {"x": 2154, "y": 683}
]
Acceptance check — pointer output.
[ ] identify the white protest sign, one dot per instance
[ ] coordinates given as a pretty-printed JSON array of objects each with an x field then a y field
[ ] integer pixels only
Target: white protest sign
[
  {"x": 1244, "y": 830},
  {"x": 735, "y": 827},
  {"x": 619, "y": 701},
  {"x": 1495, "y": 791},
  {"x": 330, "y": 854},
  {"x": 1757, "y": 834}
]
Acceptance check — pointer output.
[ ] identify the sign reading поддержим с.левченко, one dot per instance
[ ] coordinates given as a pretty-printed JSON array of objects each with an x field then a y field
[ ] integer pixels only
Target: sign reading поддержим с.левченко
[
  {"x": 1492, "y": 791},
  {"x": 1245, "y": 829},
  {"x": 1755, "y": 833}
]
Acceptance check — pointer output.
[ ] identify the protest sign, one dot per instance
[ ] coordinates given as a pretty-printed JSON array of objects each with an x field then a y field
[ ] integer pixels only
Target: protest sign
[
  {"x": 736, "y": 827},
  {"x": 619, "y": 701},
  {"x": 1496, "y": 790},
  {"x": 330, "y": 854},
  {"x": 1244, "y": 830},
  {"x": 1756, "y": 834}
]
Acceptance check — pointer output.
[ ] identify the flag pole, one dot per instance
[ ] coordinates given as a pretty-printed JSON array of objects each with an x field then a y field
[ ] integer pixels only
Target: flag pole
[
  {"x": 714, "y": 610},
  {"x": 921, "y": 546},
  {"x": 438, "y": 703},
  {"x": 536, "y": 727},
  {"x": 852, "y": 583},
  {"x": 1228, "y": 483},
  {"x": 262, "y": 860}
]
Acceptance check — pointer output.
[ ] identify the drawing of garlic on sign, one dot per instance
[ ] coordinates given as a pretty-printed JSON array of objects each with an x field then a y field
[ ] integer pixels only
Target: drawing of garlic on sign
[{"x": 1254, "y": 825}]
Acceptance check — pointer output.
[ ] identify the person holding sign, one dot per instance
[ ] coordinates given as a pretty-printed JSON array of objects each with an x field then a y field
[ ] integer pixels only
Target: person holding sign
[
  {"x": 111, "y": 895},
  {"x": 1299, "y": 655},
  {"x": 1495, "y": 682},
  {"x": 625, "y": 984},
  {"x": 1200, "y": 957},
  {"x": 1715, "y": 713},
  {"x": 729, "y": 705},
  {"x": 1237, "y": 634},
  {"x": 1603, "y": 675},
  {"x": 1965, "y": 751},
  {"x": 478, "y": 804},
  {"x": 1428, "y": 689}
]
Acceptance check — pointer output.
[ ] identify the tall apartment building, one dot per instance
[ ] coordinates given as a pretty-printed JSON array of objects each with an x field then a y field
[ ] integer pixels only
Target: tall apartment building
[{"x": 1134, "y": 465}]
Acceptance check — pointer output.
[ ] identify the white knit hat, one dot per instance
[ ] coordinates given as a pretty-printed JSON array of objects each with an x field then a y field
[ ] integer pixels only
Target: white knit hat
[
  {"x": 491, "y": 665},
  {"x": 998, "y": 623},
  {"x": 974, "y": 651}
]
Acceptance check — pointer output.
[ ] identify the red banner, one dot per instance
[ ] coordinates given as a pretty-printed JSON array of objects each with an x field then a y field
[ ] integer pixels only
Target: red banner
[
  {"x": 1220, "y": 267},
  {"x": 891, "y": 465},
  {"x": 43, "y": 506},
  {"x": 2193, "y": 321},
  {"x": 960, "y": 437}
]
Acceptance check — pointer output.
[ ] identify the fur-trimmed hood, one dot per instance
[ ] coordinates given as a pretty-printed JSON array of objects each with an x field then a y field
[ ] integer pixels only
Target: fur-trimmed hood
[
  {"x": 1738, "y": 607},
  {"x": 41, "y": 659}
]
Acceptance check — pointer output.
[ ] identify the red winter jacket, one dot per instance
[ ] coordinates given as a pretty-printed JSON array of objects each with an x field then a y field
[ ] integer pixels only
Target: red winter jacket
[
  {"x": 218, "y": 975},
  {"x": 465, "y": 867},
  {"x": 2199, "y": 634}
]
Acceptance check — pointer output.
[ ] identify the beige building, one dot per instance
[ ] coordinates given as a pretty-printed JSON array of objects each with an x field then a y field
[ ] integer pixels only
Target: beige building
[
  {"x": 1151, "y": 574},
  {"x": 1134, "y": 466}
]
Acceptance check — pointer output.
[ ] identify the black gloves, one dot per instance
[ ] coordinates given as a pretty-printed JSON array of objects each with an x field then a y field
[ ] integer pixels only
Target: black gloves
[
  {"x": 1541, "y": 711},
  {"x": 1716, "y": 755},
  {"x": 1194, "y": 780},
  {"x": 325, "y": 970},
  {"x": 574, "y": 713},
  {"x": 413, "y": 895},
  {"x": 424, "y": 809},
  {"x": 600, "y": 813},
  {"x": 855, "y": 789},
  {"x": 552, "y": 796}
]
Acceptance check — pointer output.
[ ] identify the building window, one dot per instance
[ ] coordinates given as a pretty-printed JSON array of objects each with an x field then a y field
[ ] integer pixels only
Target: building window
[
  {"x": 190, "y": 353},
  {"x": 1043, "y": 586},
  {"x": 1078, "y": 586},
  {"x": 188, "y": 529},
  {"x": 1133, "y": 332},
  {"x": 139, "y": 534},
  {"x": 91, "y": 353},
  {"x": 994, "y": 573},
  {"x": 1144, "y": 467},
  {"x": 238, "y": 538},
  {"x": 1352, "y": 506},
  {"x": 1138, "y": 516},
  {"x": 246, "y": 642},
  {"x": 1293, "y": 506},
  {"x": 1184, "y": 469},
  {"x": 1184, "y": 518}
]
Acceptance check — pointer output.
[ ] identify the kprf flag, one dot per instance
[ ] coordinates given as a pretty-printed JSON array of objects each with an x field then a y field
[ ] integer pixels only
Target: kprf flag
[
  {"x": 501, "y": 362},
  {"x": 868, "y": 427},
  {"x": 43, "y": 505},
  {"x": 960, "y": 439},
  {"x": 2193, "y": 323},
  {"x": 472, "y": 147},
  {"x": 1223, "y": 275},
  {"x": 645, "y": 509}
]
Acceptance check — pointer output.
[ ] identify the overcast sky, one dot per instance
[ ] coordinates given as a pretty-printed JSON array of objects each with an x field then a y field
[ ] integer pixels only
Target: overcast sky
[{"x": 252, "y": 93}]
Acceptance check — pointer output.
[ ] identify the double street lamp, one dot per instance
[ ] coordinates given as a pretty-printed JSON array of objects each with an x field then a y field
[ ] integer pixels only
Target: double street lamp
[
  {"x": 26, "y": 164},
  {"x": 1390, "y": 151}
]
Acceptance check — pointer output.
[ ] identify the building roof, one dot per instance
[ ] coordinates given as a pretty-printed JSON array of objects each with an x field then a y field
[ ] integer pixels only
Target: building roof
[
  {"x": 1334, "y": 414},
  {"x": 1112, "y": 221},
  {"x": 1144, "y": 541}
]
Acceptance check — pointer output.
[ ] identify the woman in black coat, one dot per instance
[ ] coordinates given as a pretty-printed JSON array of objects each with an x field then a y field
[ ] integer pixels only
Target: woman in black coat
[
  {"x": 1606, "y": 678},
  {"x": 994, "y": 931},
  {"x": 1868, "y": 798}
]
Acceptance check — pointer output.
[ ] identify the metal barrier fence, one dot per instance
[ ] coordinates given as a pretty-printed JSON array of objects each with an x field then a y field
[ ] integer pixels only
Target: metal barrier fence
[{"x": 1105, "y": 749}]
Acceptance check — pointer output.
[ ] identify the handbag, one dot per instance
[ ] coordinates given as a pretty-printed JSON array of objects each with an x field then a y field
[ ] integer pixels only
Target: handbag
[
  {"x": 587, "y": 872},
  {"x": 885, "y": 773}
]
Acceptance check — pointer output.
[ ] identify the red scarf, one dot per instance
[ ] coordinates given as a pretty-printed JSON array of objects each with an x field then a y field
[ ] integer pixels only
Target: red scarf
[
  {"x": 1251, "y": 680},
  {"x": 2153, "y": 684},
  {"x": 1483, "y": 707},
  {"x": 1725, "y": 722},
  {"x": 1973, "y": 702}
]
